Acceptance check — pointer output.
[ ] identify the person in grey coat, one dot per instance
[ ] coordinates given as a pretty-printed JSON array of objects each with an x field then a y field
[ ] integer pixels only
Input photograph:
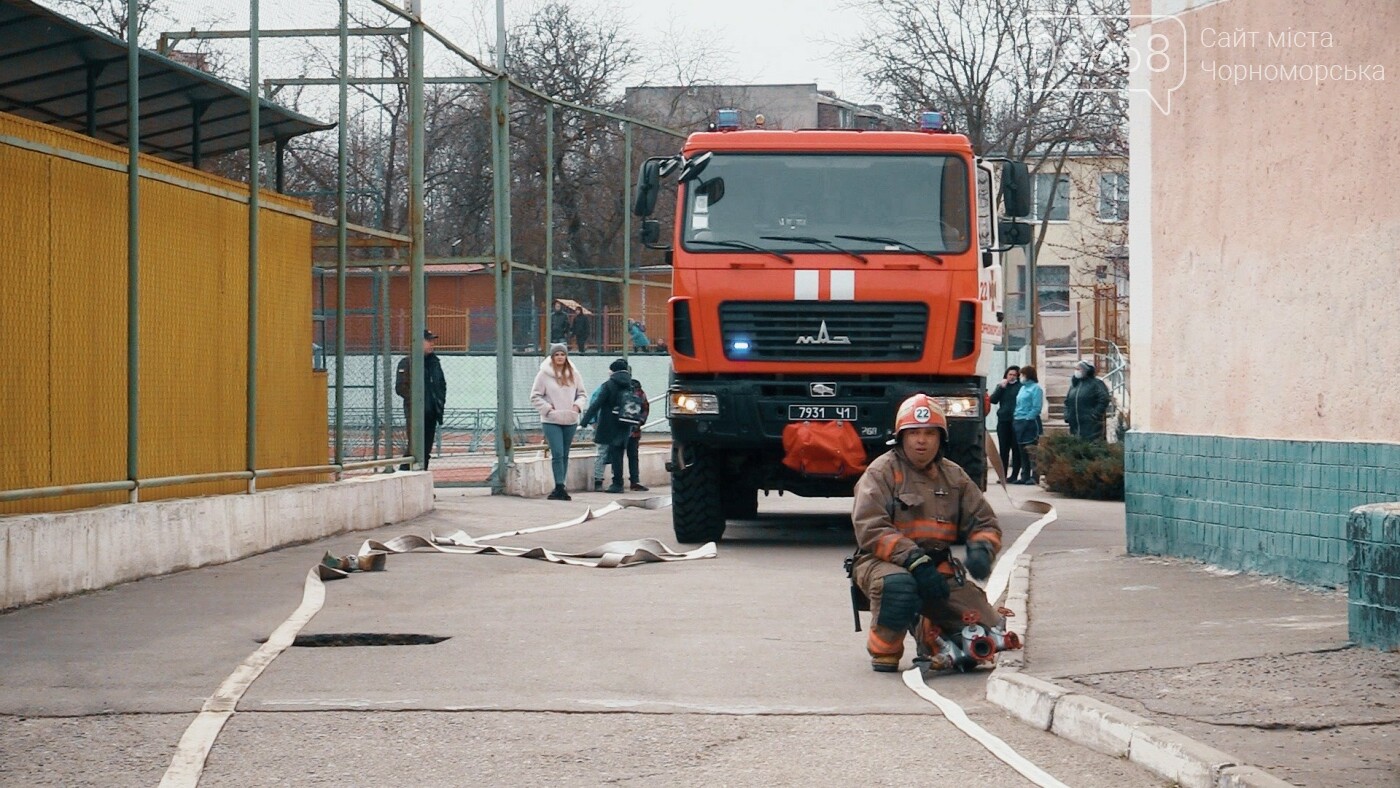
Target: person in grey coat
[{"x": 1086, "y": 404}]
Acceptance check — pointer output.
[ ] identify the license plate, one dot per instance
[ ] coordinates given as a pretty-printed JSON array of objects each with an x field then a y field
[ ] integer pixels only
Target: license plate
[{"x": 822, "y": 412}]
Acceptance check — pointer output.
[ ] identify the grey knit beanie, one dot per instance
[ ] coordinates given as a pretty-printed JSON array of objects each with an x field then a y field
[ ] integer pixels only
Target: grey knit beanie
[{"x": 558, "y": 347}]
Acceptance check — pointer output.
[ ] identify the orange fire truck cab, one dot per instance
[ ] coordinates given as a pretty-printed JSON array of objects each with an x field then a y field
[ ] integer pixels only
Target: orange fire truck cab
[{"x": 818, "y": 276}]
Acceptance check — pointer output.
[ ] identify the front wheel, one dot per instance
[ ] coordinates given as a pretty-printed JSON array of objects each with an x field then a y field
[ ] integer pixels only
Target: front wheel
[{"x": 697, "y": 508}]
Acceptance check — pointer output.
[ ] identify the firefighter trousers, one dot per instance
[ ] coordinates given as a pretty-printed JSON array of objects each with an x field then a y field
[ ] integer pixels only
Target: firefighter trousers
[{"x": 884, "y": 640}]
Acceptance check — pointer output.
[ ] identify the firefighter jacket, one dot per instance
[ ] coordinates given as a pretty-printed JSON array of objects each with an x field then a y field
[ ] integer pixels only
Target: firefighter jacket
[{"x": 899, "y": 507}]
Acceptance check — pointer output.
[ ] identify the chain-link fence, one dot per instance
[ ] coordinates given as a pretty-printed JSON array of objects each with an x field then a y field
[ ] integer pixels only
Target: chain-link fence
[{"x": 252, "y": 373}]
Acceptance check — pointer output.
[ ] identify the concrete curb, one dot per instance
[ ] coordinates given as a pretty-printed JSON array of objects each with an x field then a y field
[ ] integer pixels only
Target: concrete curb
[
  {"x": 1102, "y": 727},
  {"x": 54, "y": 554}
]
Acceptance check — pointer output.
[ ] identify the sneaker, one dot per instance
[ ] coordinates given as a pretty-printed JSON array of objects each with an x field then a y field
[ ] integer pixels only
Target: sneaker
[
  {"x": 639, "y": 487},
  {"x": 616, "y": 488},
  {"x": 559, "y": 494}
]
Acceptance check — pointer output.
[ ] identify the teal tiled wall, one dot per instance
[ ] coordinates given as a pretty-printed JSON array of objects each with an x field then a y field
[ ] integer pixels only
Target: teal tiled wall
[
  {"x": 1373, "y": 608},
  {"x": 1273, "y": 506}
]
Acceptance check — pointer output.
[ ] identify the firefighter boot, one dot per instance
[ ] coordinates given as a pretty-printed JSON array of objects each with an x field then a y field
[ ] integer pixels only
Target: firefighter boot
[{"x": 886, "y": 647}]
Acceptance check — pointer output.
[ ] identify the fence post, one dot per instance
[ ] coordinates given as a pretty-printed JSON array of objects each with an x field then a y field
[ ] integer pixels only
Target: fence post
[
  {"x": 133, "y": 245},
  {"x": 417, "y": 412},
  {"x": 254, "y": 205},
  {"x": 505, "y": 298}
]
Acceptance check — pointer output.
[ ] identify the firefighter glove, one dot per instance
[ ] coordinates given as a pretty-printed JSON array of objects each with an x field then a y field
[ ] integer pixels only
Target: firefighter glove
[
  {"x": 932, "y": 586},
  {"x": 979, "y": 561}
]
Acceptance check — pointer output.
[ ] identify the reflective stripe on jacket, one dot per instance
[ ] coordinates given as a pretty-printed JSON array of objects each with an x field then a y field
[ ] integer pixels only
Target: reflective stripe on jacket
[{"x": 899, "y": 507}]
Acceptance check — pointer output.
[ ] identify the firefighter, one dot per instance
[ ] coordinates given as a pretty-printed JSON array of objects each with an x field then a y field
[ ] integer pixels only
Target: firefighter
[{"x": 911, "y": 505}]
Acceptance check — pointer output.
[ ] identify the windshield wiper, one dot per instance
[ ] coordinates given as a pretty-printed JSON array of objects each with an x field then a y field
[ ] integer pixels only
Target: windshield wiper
[
  {"x": 731, "y": 244},
  {"x": 877, "y": 239},
  {"x": 813, "y": 240}
]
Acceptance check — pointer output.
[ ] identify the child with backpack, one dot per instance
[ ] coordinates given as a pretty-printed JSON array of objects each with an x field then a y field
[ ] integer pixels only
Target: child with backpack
[{"x": 614, "y": 402}]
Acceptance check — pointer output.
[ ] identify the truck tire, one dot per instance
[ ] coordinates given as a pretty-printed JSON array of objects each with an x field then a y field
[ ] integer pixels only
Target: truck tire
[
  {"x": 697, "y": 508},
  {"x": 741, "y": 504}
]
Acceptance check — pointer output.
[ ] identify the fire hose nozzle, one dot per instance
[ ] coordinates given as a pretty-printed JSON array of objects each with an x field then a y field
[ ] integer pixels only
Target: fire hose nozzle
[{"x": 979, "y": 644}]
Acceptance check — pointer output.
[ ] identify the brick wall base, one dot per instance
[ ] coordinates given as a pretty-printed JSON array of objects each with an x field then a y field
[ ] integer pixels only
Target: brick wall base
[
  {"x": 1273, "y": 506},
  {"x": 1373, "y": 569}
]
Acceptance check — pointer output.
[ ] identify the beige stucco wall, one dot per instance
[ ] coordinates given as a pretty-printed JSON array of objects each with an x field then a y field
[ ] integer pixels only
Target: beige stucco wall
[{"x": 1265, "y": 228}]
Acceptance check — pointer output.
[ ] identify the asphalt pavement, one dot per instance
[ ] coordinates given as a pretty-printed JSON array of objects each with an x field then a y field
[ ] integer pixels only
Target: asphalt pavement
[{"x": 737, "y": 670}]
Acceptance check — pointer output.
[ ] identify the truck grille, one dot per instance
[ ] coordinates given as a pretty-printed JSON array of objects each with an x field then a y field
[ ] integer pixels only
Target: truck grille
[{"x": 823, "y": 330}]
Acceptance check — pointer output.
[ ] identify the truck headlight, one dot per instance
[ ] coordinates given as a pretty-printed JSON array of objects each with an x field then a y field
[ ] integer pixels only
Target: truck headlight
[
  {"x": 960, "y": 407},
  {"x": 682, "y": 403}
]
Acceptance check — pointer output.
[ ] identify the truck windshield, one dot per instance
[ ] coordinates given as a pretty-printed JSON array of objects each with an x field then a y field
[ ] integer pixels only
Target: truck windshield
[{"x": 919, "y": 199}]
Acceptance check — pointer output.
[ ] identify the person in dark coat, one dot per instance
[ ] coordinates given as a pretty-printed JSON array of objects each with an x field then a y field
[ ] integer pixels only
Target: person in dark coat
[
  {"x": 611, "y": 434},
  {"x": 1004, "y": 397},
  {"x": 559, "y": 325},
  {"x": 434, "y": 394},
  {"x": 581, "y": 329},
  {"x": 1086, "y": 404}
]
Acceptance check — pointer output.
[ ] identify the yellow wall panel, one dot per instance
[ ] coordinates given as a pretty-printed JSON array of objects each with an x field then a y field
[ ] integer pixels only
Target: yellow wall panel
[
  {"x": 68, "y": 415},
  {"x": 87, "y": 264},
  {"x": 24, "y": 320}
]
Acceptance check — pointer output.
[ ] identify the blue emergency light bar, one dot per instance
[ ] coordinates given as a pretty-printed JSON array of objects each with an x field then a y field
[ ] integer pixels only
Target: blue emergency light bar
[
  {"x": 931, "y": 121},
  {"x": 727, "y": 119}
]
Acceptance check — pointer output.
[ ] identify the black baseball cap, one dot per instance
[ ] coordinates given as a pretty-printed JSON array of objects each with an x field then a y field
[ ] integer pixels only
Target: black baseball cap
[{"x": 428, "y": 334}]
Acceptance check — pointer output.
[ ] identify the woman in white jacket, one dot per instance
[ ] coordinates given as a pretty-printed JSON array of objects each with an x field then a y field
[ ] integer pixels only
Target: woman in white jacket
[{"x": 559, "y": 396}]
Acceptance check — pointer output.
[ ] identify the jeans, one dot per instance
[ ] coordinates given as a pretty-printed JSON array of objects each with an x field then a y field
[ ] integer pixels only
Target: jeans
[
  {"x": 1013, "y": 457},
  {"x": 559, "y": 437},
  {"x": 615, "y": 452},
  {"x": 600, "y": 463},
  {"x": 633, "y": 452}
]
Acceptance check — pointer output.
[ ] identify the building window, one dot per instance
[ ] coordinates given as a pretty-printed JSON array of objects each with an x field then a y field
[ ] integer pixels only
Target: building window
[
  {"x": 1113, "y": 197},
  {"x": 1052, "y": 288},
  {"x": 1051, "y": 197}
]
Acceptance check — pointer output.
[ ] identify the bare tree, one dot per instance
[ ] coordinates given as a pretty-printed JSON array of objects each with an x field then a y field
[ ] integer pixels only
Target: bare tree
[
  {"x": 582, "y": 60},
  {"x": 1035, "y": 80},
  {"x": 110, "y": 16}
]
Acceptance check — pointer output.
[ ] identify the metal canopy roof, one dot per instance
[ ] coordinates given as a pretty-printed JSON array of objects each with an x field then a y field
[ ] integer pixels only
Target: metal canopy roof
[{"x": 56, "y": 71}]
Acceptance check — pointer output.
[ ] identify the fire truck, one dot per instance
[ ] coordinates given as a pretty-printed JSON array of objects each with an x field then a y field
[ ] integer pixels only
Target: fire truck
[{"x": 821, "y": 276}]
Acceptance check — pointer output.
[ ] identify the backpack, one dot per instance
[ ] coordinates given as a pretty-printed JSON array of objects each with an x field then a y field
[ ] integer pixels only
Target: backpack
[
  {"x": 630, "y": 408},
  {"x": 823, "y": 448}
]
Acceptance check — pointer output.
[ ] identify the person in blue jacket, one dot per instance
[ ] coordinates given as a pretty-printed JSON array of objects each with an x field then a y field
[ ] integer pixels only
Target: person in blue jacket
[
  {"x": 638, "y": 332},
  {"x": 1026, "y": 421}
]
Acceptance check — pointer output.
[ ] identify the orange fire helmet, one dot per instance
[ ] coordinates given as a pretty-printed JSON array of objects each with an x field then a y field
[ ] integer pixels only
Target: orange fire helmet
[{"x": 917, "y": 412}]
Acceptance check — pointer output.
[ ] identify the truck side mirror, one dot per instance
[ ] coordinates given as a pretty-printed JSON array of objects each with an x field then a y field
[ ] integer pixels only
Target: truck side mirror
[
  {"x": 648, "y": 186},
  {"x": 650, "y": 232},
  {"x": 1014, "y": 233},
  {"x": 1015, "y": 190},
  {"x": 693, "y": 166}
]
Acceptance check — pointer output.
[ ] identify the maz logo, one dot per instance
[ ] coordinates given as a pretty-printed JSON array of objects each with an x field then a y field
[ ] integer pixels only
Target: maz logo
[{"x": 823, "y": 338}]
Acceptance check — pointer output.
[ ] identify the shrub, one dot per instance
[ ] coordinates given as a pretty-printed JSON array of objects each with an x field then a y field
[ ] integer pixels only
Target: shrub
[{"x": 1081, "y": 469}]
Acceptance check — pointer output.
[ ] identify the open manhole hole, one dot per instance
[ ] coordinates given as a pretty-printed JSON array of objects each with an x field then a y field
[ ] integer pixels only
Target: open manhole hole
[{"x": 344, "y": 639}]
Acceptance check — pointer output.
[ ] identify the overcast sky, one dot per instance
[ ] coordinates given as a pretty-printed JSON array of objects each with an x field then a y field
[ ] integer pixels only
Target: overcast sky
[{"x": 761, "y": 41}]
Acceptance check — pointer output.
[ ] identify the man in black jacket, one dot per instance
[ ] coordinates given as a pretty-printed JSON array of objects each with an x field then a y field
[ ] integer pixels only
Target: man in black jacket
[
  {"x": 559, "y": 324},
  {"x": 1004, "y": 397},
  {"x": 1086, "y": 404},
  {"x": 581, "y": 329},
  {"x": 612, "y": 434},
  {"x": 434, "y": 394}
]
